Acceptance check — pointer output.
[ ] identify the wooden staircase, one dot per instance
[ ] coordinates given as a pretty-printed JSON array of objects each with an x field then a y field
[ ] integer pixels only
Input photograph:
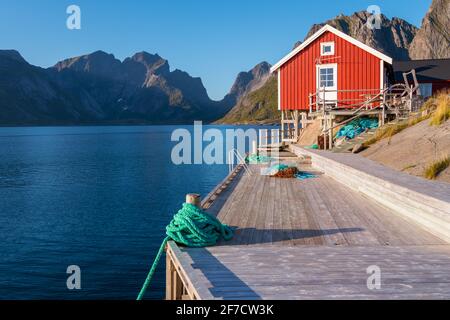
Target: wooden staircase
[{"x": 347, "y": 146}]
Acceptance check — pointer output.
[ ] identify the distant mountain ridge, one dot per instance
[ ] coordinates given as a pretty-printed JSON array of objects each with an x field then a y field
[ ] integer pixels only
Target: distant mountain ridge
[
  {"x": 247, "y": 81},
  {"x": 98, "y": 88},
  {"x": 30, "y": 95},
  {"x": 255, "y": 97},
  {"x": 146, "y": 88}
]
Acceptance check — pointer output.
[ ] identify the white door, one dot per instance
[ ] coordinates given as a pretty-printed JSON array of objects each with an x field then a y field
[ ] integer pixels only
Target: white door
[{"x": 327, "y": 83}]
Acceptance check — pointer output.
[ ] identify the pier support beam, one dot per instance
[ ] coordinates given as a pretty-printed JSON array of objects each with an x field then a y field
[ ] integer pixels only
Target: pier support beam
[{"x": 175, "y": 288}]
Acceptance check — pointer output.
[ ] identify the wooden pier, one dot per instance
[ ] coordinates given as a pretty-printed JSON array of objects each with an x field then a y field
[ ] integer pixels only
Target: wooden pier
[{"x": 317, "y": 239}]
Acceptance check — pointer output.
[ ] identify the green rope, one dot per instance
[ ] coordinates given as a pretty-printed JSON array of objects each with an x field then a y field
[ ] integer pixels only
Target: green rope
[
  {"x": 313, "y": 146},
  {"x": 254, "y": 158},
  {"x": 192, "y": 227},
  {"x": 153, "y": 268}
]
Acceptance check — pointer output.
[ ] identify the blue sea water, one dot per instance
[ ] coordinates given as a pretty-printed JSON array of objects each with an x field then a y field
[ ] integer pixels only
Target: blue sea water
[{"x": 96, "y": 197}]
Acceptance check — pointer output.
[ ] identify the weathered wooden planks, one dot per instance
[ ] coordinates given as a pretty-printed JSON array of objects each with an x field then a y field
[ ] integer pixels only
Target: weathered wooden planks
[
  {"x": 322, "y": 272},
  {"x": 317, "y": 211},
  {"x": 311, "y": 239},
  {"x": 421, "y": 201}
]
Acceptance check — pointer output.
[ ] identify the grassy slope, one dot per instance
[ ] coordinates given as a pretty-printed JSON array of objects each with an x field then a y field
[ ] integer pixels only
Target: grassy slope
[
  {"x": 417, "y": 146},
  {"x": 259, "y": 106}
]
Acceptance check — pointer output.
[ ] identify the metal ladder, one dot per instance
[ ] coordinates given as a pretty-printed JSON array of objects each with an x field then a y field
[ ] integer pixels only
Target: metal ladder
[{"x": 235, "y": 153}]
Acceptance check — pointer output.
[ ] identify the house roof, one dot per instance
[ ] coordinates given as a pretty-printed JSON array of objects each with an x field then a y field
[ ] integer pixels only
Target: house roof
[
  {"x": 329, "y": 28},
  {"x": 426, "y": 70}
]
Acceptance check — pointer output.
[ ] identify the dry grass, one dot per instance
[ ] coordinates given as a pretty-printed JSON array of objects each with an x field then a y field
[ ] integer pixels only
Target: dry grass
[
  {"x": 429, "y": 105},
  {"x": 437, "y": 108},
  {"x": 442, "y": 111},
  {"x": 411, "y": 166},
  {"x": 436, "y": 167},
  {"x": 386, "y": 131}
]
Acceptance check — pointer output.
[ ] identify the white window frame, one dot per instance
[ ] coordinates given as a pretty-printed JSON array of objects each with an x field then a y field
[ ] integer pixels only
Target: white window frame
[
  {"x": 326, "y": 44},
  {"x": 327, "y": 66},
  {"x": 329, "y": 96}
]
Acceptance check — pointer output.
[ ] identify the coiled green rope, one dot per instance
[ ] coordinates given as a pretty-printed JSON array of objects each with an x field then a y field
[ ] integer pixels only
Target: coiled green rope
[{"x": 192, "y": 227}]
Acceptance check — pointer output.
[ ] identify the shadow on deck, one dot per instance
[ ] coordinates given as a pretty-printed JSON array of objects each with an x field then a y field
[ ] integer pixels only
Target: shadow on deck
[
  {"x": 216, "y": 273},
  {"x": 274, "y": 236}
]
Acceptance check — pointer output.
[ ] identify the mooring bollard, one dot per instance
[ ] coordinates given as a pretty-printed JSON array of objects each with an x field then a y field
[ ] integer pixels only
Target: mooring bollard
[{"x": 194, "y": 199}]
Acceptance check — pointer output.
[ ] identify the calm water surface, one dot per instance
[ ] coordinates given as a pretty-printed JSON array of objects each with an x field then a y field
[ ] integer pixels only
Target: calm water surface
[{"x": 96, "y": 197}]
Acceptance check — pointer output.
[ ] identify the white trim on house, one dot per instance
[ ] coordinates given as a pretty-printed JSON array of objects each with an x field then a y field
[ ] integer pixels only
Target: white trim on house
[
  {"x": 325, "y": 44},
  {"x": 381, "y": 75},
  {"x": 279, "y": 89},
  {"x": 339, "y": 34}
]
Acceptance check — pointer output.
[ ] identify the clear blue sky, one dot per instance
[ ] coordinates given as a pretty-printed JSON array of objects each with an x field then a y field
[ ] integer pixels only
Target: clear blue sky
[{"x": 211, "y": 39}]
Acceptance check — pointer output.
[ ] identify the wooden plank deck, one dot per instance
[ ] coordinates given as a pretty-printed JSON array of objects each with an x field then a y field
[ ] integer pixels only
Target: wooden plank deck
[
  {"x": 266, "y": 210},
  {"x": 321, "y": 272},
  {"x": 312, "y": 239},
  {"x": 424, "y": 202},
  {"x": 435, "y": 189}
]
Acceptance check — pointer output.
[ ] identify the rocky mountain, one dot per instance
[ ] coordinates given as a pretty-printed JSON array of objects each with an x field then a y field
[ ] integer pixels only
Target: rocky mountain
[
  {"x": 393, "y": 38},
  {"x": 256, "y": 106},
  {"x": 252, "y": 95},
  {"x": 30, "y": 95},
  {"x": 433, "y": 39},
  {"x": 247, "y": 81},
  {"x": 143, "y": 87},
  {"x": 98, "y": 88}
]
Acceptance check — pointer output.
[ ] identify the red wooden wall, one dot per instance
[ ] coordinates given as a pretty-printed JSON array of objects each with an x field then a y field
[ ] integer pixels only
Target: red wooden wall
[
  {"x": 356, "y": 68},
  {"x": 439, "y": 85}
]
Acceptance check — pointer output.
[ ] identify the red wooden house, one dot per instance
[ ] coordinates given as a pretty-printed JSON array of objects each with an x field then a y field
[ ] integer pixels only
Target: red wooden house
[{"x": 329, "y": 69}]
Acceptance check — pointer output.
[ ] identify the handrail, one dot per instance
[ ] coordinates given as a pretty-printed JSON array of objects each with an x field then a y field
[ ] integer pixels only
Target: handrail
[
  {"x": 272, "y": 133},
  {"x": 390, "y": 98},
  {"x": 346, "y": 121},
  {"x": 357, "y": 111},
  {"x": 235, "y": 153},
  {"x": 348, "y": 90},
  {"x": 394, "y": 86},
  {"x": 402, "y": 88}
]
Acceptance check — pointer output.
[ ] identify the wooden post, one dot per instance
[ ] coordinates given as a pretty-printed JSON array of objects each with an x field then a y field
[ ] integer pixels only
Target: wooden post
[
  {"x": 410, "y": 99},
  {"x": 169, "y": 278},
  {"x": 193, "y": 198},
  {"x": 177, "y": 286},
  {"x": 383, "y": 112},
  {"x": 323, "y": 99},
  {"x": 275, "y": 136},
  {"x": 330, "y": 134},
  {"x": 325, "y": 127},
  {"x": 263, "y": 137},
  {"x": 310, "y": 102},
  {"x": 295, "y": 125},
  {"x": 174, "y": 285},
  {"x": 325, "y": 123}
]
